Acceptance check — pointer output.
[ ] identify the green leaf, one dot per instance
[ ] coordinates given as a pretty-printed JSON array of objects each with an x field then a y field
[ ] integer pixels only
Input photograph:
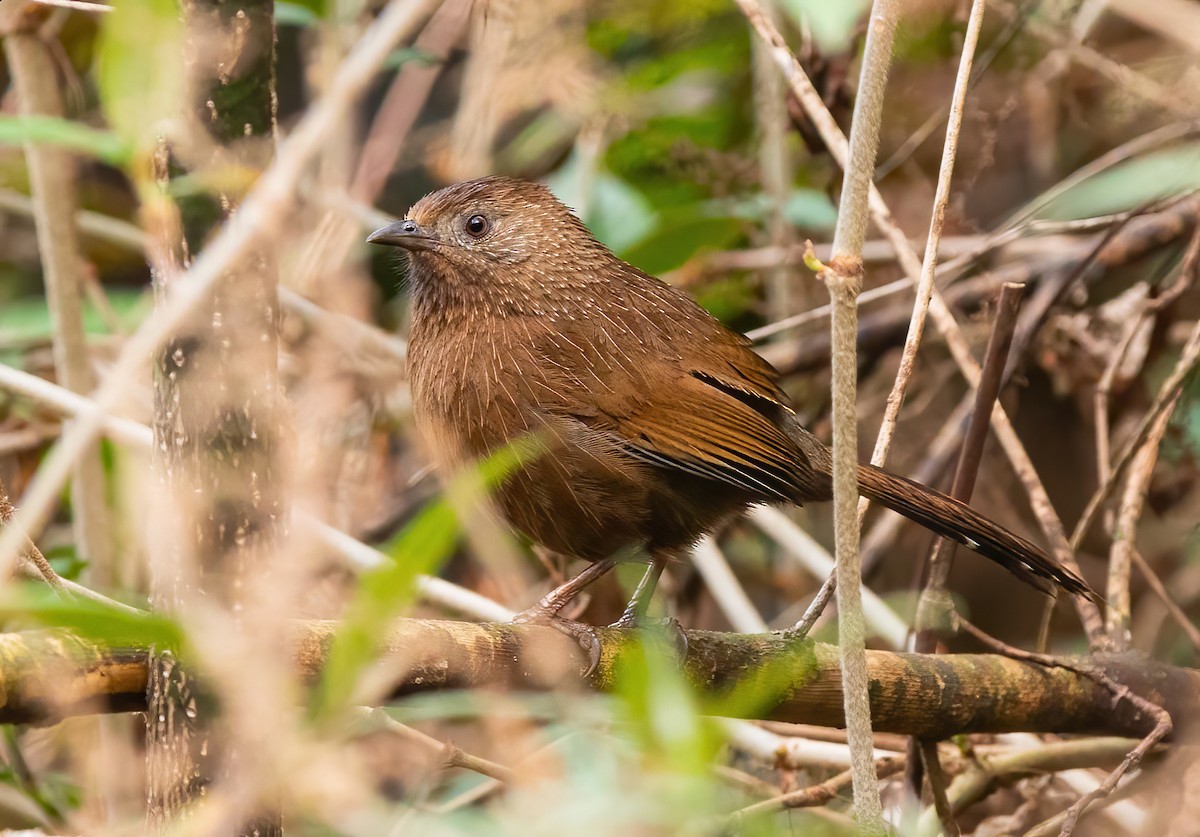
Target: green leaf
[
  {"x": 1141, "y": 180},
  {"x": 111, "y": 626},
  {"x": 679, "y": 237},
  {"x": 74, "y": 136},
  {"x": 302, "y": 14},
  {"x": 140, "y": 69},
  {"x": 662, "y": 708},
  {"x": 403, "y": 55},
  {"x": 387, "y": 590},
  {"x": 832, "y": 24}
]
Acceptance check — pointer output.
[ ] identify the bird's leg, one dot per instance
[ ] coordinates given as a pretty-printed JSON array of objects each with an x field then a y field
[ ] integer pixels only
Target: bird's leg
[
  {"x": 635, "y": 611},
  {"x": 642, "y": 594},
  {"x": 550, "y": 604},
  {"x": 545, "y": 612}
]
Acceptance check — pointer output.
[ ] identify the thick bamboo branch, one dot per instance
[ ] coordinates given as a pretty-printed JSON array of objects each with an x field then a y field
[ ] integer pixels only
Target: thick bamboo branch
[{"x": 45, "y": 675}]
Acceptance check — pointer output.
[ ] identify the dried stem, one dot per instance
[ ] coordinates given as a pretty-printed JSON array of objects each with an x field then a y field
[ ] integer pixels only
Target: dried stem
[
  {"x": 450, "y": 753},
  {"x": 125, "y": 431},
  {"x": 932, "y": 597},
  {"x": 1164, "y": 402},
  {"x": 731, "y": 598},
  {"x": 1120, "y": 564},
  {"x": 935, "y": 607},
  {"x": 52, "y": 173},
  {"x": 814, "y": 795},
  {"x": 262, "y": 214}
]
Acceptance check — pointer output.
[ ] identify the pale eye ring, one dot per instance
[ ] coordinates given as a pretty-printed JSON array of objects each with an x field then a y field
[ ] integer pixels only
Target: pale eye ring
[{"x": 477, "y": 226}]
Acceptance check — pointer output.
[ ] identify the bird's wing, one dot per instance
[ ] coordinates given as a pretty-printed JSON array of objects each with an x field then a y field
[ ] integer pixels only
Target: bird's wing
[{"x": 713, "y": 422}]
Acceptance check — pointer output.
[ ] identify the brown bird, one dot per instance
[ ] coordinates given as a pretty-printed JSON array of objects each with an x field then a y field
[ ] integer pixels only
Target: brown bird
[{"x": 658, "y": 424}]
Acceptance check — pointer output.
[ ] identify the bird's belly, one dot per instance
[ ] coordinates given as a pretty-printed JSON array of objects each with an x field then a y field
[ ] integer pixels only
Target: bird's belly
[{"x": 578, "y": 503}]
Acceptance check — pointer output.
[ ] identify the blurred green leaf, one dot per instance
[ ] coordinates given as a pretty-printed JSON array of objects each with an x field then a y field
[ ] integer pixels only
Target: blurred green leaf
[
  {"x": 728, "y": 299},
  {"x": 404, "y": 55},
  {"x": 66, "y": 561},
  {"x": 678, "y": 237},
  {"x": 662, "y": 708},
  {"x": 140, "y": 69},
  {"x": 616, "y": 213},
  {"x": 832, "y": 24},
  {"x": 382, "y": 593},
  {"x": 301, "y": 14},
  {"x": 96, "y": 621},
  {"x": 1128, "y": 185},
  {"x": 29, "y": 318},
  {"x": 387, "y": 590},
  {"x": 103, "y": 145},
  {"x": 806, "y": 208}
]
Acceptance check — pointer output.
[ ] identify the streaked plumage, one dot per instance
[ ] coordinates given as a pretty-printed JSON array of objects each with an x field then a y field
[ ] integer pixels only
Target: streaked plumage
[{"x": 661, "y": 423}]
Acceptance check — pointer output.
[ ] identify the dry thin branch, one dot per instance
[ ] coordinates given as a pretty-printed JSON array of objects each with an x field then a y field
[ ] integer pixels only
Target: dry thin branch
[
  {"x": 811, "y": 796},
  {"x": 790, "y": 752},
  {"x": 407, "y": 94},
  {"x": 436, "y": 590},
  {"x": 990, "y": 771},
  {"x": 843, "y": 276},
  {"x": 1173, "y": 100},
  {"x": 262, "y": 214},
  {"x": 1164, "y": 402},
  {"x": 450, "y": 753},
  {"x": 1155, "y": 584},
  {"x": 1120, "y": 563},
  {"x": 32, "y": 555},
  {"x": 925, "y": 287},
  {"x": 935, "y": 607},
  {"x": 52, "y": 173},
  {"x": 933, "y": 599},
  {"x": 731, "y": 598},
  {"x": 883, "y": 621}
]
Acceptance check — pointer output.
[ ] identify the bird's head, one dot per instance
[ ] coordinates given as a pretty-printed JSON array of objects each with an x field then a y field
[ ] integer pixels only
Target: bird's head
[{"x": 473, "y": 230}]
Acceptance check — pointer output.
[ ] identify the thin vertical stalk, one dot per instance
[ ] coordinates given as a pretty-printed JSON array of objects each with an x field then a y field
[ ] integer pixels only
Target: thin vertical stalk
[
  {"x": 52, "y": 189},
  {"x": 844, "y": 277}
]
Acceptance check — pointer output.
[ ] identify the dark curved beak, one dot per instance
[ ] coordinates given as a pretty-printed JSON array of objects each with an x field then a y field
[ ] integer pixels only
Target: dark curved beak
[{"x": 406, "y": 233}]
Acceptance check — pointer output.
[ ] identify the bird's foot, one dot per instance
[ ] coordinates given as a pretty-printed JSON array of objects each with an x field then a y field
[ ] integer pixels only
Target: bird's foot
[
  {"x": 667, "y": 630},
  {"x": 584, "y": 635}
]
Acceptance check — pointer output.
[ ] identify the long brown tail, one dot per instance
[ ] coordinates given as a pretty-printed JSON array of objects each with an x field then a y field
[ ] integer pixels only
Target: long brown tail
[{"x": 957, "y": 521}]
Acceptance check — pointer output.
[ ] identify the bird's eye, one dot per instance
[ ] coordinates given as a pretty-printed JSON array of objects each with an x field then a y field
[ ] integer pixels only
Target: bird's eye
[{"x": 477, "y": 226}]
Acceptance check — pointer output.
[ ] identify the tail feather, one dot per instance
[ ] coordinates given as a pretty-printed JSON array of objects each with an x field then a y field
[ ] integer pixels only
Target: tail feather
[{"x": 971, "y": 529}]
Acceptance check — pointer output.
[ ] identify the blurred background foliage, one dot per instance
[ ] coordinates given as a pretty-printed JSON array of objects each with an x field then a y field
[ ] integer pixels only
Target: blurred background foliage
[{"x": 653, "y": 119}]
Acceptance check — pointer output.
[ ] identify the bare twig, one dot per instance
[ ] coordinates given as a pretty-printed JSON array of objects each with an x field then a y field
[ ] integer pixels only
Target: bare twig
[
  {"x": 52, "y": 174},
  {"x": 990, "y": 381},
  {"x": 934, "y": 607},
  {"x": 937, "y": 787},
  {"x": 1056, "y": 756},
  {"x": 815, "y": 795},
  {"x": 843, "y": 277},
  {"x": 1120, "y": 692},
  {"x": 450, "y": 753},
  {"x": 30, "y": 553},
  {"x": 262, "y": 214},
  {"x": 1155, "y": 584},
  {"x": 405, "y": 97},
  {"x": 1164, "y": 402},
  {"x": 731, "y": 598},
  {"x": 1120, "y": 564},
  {"x": 1171, "y": 100},
  {"x": 436, "y": 590},
  {"x": 883, "y": 621}
]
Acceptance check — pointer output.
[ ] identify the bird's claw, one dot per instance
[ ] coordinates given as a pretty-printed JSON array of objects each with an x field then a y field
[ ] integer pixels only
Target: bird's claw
[
  {"x": 666, "y": 629},
  {"x": 584, "y": 635}
]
